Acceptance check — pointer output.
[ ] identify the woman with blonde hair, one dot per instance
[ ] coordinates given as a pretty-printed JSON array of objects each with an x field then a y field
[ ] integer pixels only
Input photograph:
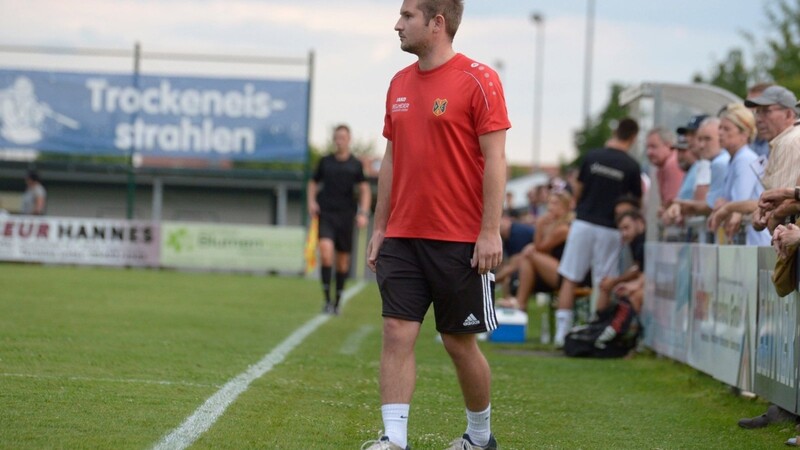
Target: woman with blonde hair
[
  {"x": 737, "y": 129},
  {"x": 538, "y": 264}
]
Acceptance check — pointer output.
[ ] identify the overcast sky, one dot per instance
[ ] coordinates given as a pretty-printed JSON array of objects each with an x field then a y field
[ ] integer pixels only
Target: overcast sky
[{"x": 357, "y": 50}]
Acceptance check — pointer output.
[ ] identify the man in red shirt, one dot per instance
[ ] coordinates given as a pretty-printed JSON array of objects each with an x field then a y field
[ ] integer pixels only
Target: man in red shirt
[
  {"x": 661, "y": 154},
  {"x": 437, "y": 219}
]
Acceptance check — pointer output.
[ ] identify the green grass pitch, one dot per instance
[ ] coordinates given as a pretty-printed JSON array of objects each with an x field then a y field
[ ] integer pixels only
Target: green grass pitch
[{"x": 118, "y": 358}]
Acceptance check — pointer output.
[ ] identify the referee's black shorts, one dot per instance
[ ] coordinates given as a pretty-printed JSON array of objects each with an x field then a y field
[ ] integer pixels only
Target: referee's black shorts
[
  {"x": 338, "y": 227},
  {"x": 413, "y": 273}
]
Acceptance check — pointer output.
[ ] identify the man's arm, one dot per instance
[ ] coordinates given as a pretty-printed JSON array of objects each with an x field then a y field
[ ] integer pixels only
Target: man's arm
[
  {"x": 724, "y": 212},
  {"x": 693, "y": 207},
  {"x": 382, "y": 207},
  {"x": 489, "y": 247},
  {"x": 364, "y": 203},
  {"x": 311, "y": 198},
  {"x": 38, "y": 207},
  {"x": 578, "y": 188},
  {"x": 700, "y": 193}
]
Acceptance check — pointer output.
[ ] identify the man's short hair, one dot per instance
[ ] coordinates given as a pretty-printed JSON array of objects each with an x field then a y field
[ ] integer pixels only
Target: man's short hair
[
  {"x": 666, "y": 136},
  {"x": 628, "y": 199},
  {"x": 451, "y": 10},
  {"x": 627, "y": 129},
  {"x": 634, "y": 214},
  {"x": 342, "y": 127},
  {"x": 33, "y": 176}
]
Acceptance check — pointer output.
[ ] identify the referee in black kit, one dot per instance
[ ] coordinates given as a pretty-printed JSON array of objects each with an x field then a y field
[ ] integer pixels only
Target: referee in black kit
[{"x": 331, "y": 198}]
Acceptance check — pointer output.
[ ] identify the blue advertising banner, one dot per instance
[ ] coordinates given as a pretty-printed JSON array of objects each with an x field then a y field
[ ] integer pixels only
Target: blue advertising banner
[{"x": 160, "y": 116}]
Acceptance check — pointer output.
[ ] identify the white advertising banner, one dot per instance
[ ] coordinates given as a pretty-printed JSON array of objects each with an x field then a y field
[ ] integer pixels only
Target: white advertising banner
[
  {"x": 704, "y": 293},
  {"x": 733, "y": 313},
  {"x": 233, "y": 247},
  {"x": 61, "y": 240},
  {"x": 665, "y": 314}
]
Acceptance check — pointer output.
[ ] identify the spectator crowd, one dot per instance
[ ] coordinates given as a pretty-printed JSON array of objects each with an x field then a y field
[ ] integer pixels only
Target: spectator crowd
[{"x": 736, "y": 173}]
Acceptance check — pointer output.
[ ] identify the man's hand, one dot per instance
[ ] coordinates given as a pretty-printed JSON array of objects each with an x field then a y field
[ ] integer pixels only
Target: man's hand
[
  {"x": 672, "y": 215},
  {"x": 785, "y": 238},
  {"x": 313, "y": 209},
  {"x": 718, "y": 217},
  {"x": 733, "y": 224},
  {"x": 770, "y": 199},
  {"x": 361, "y": 220},
  {"x": 372, "y": 249},
  {"x": 760, "y": 219},
  {"x": 607, "y": 284},
  {"x": 488, "y": 252}
]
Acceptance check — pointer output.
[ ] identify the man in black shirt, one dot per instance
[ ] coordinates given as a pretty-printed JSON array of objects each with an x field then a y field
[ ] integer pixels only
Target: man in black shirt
[
  {"x": 594, "y": 243},
  {"x": 632, "y": 227},
  {"x": 331, "y": 198}
]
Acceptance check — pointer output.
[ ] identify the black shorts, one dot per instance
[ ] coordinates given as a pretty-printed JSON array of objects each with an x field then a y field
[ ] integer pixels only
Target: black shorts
[
  {"x": 338, "y": 227},
  {"x": 413, "y": 273}
]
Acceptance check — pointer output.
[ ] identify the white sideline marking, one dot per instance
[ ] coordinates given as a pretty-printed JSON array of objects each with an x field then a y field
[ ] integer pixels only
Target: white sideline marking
[
  {"x": 208, "y": 413},
  {"x": 353, "y": 342},
  {"x": 106, "y": 380}
]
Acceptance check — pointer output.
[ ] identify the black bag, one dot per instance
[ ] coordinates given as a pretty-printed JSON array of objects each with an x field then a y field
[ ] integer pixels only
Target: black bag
[{"x": 613, "y": 334}]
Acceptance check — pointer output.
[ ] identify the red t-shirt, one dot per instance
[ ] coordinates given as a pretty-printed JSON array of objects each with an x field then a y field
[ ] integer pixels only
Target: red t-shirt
[{"x": 433, "y": 119}]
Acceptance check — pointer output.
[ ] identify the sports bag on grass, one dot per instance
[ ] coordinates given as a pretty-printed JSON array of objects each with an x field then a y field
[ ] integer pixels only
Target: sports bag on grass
[{"x": 613, "y": 334}]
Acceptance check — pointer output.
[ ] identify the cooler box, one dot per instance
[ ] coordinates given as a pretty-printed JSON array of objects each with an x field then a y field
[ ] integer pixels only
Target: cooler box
[{"x": 512, "y": 326}]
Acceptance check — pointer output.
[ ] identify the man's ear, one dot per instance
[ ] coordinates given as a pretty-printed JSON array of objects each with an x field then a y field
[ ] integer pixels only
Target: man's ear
[{"x": 438, "y": 23}]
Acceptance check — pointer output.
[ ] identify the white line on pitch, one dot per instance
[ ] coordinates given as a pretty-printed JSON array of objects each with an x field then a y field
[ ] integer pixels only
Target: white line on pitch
[
  {"x": 208, "y": 413},
  {"x": 106, "y": 380},
  {"x": 353, "y": 342}
]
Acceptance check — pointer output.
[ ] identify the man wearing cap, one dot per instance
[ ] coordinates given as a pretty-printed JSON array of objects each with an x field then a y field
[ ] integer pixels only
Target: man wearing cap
[
  {"x": 776, "y": 118},
  {"x": 689, "y": 134},
  {"x": 760, "y": 144},
  {"x": 687, "y": 160},
  {"x": 690, "y": 130}
]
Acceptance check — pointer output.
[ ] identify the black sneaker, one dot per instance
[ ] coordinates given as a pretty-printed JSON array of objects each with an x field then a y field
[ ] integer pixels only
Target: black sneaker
[
  {"x": 774, "y": 414},
  {"x": 464, "y": 443}
]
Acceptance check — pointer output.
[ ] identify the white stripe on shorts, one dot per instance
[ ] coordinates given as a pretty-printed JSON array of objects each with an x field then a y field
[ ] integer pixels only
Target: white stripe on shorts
[{"x": 488, "y": 303}]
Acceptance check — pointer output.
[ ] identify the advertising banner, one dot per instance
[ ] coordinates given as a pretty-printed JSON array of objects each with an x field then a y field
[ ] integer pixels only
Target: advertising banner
[
  {"x": 733, "y": 313},
  {"x": 777, "y": 362},
  {"x": 666, "y": 306},
  {"x": 60, "y": 240},
  {"x": 158, "y": 116},
  {"x": 232, "y": 247},
  {"x": 704, "y": 294}
]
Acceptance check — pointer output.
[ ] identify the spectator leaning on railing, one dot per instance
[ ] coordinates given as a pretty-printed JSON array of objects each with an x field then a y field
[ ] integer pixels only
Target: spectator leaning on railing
[
  {"x": 687, "y": 160},
  {"x": 760, "y": 144},
  {"x": 660, "y": 152},
  {"x": 775, "y": 116},
  {"x": 737, "y": 128},
  {"x": 782, "y": 173},
  {"x": 711, "y": 173}
]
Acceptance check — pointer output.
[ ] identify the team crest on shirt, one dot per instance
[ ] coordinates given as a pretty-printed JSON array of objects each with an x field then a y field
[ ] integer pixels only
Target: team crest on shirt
[{"x": 439, "y": 106}]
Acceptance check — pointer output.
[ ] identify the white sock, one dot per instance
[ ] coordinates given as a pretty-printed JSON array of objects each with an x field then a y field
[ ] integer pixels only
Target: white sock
[
  {"x": 564, "y": 318},
  {"x": 395, "y": 423},
  {"x": 479, "y": 426}
]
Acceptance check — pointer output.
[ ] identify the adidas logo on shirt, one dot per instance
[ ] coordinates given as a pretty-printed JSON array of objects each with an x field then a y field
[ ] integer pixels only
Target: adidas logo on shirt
[{"x": 471, "y": 320}]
